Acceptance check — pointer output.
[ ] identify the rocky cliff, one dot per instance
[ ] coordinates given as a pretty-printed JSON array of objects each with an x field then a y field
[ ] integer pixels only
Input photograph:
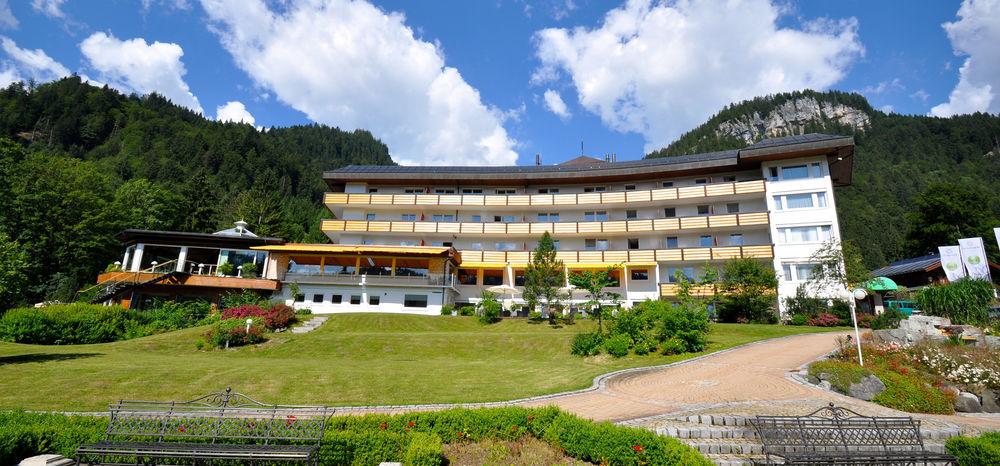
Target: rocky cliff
[{"x": 791, "y": 118}]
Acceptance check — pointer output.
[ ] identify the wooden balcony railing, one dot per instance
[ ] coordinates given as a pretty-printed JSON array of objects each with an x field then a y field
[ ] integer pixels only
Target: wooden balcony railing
[
  {"x": 556, "y": 228},
  {"x": 533, "y": 200},
  {"x": 671, "y": 289},
  {"x": 764, "y": 251}
]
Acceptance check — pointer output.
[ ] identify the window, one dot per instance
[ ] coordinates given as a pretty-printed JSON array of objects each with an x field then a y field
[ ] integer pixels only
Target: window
[
  {"x": 595, "y": 189},
  {"x": 476, "y": 246},
  {"x": 554, "y": 217},
  {"x": 444, "y": 191},
  {"x": 437, "y": 244},
  {"x": 797, "y": 172},
  {"x": 373, "y": 300},
  {"x": 729, "y": 179},
  {"x": 704, "y": 210},
  {"x": 370, "y": 217},
  {"x": 519, "y": 277},
  {"x": 548, "y": 190},
  {"x": 372, "y": 190},
  {"x": 492, "y": 277},
  {"x": 817, "y": 170},
  {"x": 773, "y": 174},
  {"x": 409, "y": 217},
  {"x": 467, "y": 276},
  {"x": 671, "y": 242},
  {"x": 506, "y": 191},
  {"x": 468, "y": 191},
  {"x": 798, "y": 272},
  {"x": 414, "y": 300},
  {"x": 706, "y": 241},
  {"x": 300, "y": 298},
  {"x": 336, "y": 298},
  {"x": 444, "y": 217},
  {"x": 317, "y": 298},
  {"x": 821, "y": 199},
  {"x": 613, "y": 279},
  {"x": 736, "y": 240},
  {"x": 477, "y": 218},
  {"x": 669, "y": 212},
  {"x": 599, "y": 216},
  {"x": 355, "y": 299},
  {"x": 631, "y": 214},
  {"x": 701, "y": 181},
  {"x": 505, "y": 246},
  {"x": 733, "y": 207},
  {"x": 640, "y": 274},
  {"x": 800, "y": 201},
  {"x": 810, "y": 234},
  {"x": 633, "y": 243},
  {"x": 407, "y": 243},
  {"x": 668, "y": 184},
  {"x": 414, "y": 190},
  {"x": 595, "y": 244},
  {"x": 446, "y": 244},
  {"x": 687, "y": 272},
  {"x": 504, "y": 219},
  {"x": 630, "y": 187},
  {"x": 555, "y": 244}
]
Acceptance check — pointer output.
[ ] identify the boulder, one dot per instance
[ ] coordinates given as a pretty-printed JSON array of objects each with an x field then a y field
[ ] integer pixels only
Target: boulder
[
  {"x": 989, "y": 404},
  {"x": 867, "y": 388},
  {"x": 825, "y": 385},
  {"x": 968, "y": 403},
  {"x": 47, "y": 460},
  {"x": 813, "y": 380},
  {"x": 825, "y": 376},
  {"x": 990, "y": 341}
]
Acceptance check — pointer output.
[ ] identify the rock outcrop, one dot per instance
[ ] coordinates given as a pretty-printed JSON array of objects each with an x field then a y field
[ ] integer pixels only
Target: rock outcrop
[{"x": 791, "y": 118}]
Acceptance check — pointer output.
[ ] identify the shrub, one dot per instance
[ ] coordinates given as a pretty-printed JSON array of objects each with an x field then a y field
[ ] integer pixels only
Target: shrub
[
  {"x": 586, "y": 344},
  {"x": 23, "y": 435},
  {"x": 170, "y": 315},
  {"x": 689, "y": 325},
  {"x": 907, "y": 393},
  {"x": 631, "y": 322},
  {"x": 965, "y": 301},
  {"x": 864, "y": 320},
  {"x": 983, "y": 451},
  {"x": 242, "y": 312},
  {"x": 234, "y": 331},
  {"x": 489, "y": 308},
  {"x": 446, "y": 309},
  {"x": 242, "y": 298},
  {"x": 799, "y": 319},
  {"x": 673, "y": 345},
  {"x": 618, "y": 345},
  {"x": 803, "y": 304},
  {"x": 249, "y": 270},
  {"x": 889, "y": 318},
  {"x": 467, "y": 311},
  {"x": 72, "y": 324},
  {"x": 824, "y": 320},
  {"x": 276, "y": 317},
  {"x": 423, "y": 450},
  {"x": 842, "y": 309},
  {"x": 303, "y": 311},
  {"x": 227, "y": 269}
]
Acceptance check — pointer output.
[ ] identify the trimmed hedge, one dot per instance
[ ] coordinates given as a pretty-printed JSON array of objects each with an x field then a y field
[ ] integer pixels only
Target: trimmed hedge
[
  {"x": 414, "y": 438},
  {"x": 982, "y": 451}
]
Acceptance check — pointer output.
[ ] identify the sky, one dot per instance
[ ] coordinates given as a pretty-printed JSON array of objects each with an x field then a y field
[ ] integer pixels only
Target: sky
[{"x": 495, "y": 82}]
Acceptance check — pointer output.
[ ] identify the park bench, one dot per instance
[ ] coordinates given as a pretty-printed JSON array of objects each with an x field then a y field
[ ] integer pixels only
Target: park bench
[
  {"x": 834, "y": 435},
  {"x": 223, "y": 425}
]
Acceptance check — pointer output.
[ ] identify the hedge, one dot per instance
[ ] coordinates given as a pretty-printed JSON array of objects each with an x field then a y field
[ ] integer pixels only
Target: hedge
[
  {"x": 413, "y": 438},
  {"x": 982, "y": 451}
]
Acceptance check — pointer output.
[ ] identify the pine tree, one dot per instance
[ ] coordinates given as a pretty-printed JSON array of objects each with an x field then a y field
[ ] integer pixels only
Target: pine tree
[{"x": 544, "y": 276}]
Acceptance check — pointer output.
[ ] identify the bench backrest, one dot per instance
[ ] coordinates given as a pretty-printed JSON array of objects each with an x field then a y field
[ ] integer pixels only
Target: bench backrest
[
  {"x": 839, "y": 428},
  {"x": 217, "y": 416}
]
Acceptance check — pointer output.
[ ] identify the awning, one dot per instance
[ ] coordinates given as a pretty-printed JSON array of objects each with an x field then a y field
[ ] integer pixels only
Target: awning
[
  {"x": 593, "y": 265},
  {"x": 354, "y": 249},
  {"x": 880, "y": 284},
  {"x": 483, "y": 265}
]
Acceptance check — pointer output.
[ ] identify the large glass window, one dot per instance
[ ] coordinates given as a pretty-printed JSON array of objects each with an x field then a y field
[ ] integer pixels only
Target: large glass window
[
  {"x": 797, "y": 172},
  {"x": 334, "y": 265},
  {"x": 161, "y": 255},
  {"x": 598, "y": 216},
  {"x": 736, "y": 240},
  {"x": 492, "y": 277},
  {"x": 505, "y": 246},
  {"x": 640, "y": 274},
  {"x": 671, "y": 242},
  {"x": 444, "y": 217},
  {"x": 467, "y": 276},
  {"x": 415, "y": 300},
  {"x": 376, "y": 266},
  {"x": 810, "y": 234},
  {"x": 412, "y": 267},
  {"x": 706, "y": 241},
  {"x": 595, "y": 244},
  {"x": 519, "y": 277},
  {"x": 798, "y": 272}
]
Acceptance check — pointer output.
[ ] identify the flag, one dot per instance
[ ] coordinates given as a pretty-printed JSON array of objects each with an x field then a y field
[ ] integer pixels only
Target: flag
[
  {"x": 996, "y": 231},
  {"x": 974, "y": 258},
  {"x": 951, "y": 262}
]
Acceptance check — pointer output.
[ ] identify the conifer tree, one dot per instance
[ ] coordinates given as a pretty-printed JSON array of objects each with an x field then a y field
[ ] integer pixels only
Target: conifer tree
[{"x": 544, "y": 276}]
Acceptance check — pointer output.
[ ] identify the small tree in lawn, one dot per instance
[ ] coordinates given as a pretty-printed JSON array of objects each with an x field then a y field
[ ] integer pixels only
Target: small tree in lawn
[
  {"x": 748, "y": 291},
  {"x": 594, "y": 282},
  {"x": 543, "y": 277}
]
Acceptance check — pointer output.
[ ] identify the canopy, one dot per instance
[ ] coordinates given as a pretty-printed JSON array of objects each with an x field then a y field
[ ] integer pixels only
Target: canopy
[{"x": 880, "y": 284}]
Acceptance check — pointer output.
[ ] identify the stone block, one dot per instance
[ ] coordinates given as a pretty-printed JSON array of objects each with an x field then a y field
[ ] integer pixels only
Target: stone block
[
  {"x": 867, "y": 388},
  {"x": 989, "y": 401},
  {"x": 47, "y": 460},
  {"x": 968, "y": 403},
  {"x": 991, "y": 342},
  {"x": 825, "y": 385}
]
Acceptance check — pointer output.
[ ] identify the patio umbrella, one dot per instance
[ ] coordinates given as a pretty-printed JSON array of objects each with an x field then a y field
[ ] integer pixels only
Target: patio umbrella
[{"x": 505, "y": 289}]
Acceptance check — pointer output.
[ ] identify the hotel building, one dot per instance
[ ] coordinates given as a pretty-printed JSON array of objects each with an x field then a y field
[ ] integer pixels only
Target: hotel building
[{"x": 396, "y": 228}]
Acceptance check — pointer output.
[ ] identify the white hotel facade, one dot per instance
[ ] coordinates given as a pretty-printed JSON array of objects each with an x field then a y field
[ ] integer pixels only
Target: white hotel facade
[{"x": 772, "y": 201}]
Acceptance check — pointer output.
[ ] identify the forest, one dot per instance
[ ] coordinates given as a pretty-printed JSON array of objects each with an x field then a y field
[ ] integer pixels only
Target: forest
[
  {"x": 899, "y": 161},
  {"x": 80, "y": 163}
]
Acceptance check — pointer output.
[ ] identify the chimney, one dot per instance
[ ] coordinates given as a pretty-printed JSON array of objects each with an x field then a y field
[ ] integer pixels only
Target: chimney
[
  {"x": 607, "y": 157},
  {"x": 538, "y": 159},
  {"x": 614, "y": 157}
]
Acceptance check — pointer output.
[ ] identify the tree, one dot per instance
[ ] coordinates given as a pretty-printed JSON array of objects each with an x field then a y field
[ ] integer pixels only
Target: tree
[
  {"x": 840, "y": 263},
  {"x": 543, "y": 277},
  {"x": 594, "y": 282},
  {"x": 143, "y": 205},
  {"x": 13, "y": 273},
  {"x": 946, "y": 212},
  {"x": 748, "y": 291}
]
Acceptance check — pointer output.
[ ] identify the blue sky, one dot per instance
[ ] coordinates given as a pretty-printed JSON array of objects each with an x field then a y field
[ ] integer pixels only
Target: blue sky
[{"x": 495, "y": 82}]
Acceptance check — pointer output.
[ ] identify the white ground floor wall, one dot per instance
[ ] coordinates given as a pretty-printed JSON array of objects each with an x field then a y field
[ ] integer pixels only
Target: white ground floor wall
[{"x": 332, "y": 299}]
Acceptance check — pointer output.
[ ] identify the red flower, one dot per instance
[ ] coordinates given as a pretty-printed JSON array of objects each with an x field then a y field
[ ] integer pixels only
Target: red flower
[
  {"x": 637, "y": 448},
  {"x": 459, "y": 434},
  {"x": 411, "y": 424},
  {"x": 182, "y": 429},
  {"x": 531, "y": 418},
  {"x": 383, "y": 425},
  {"x": 513, "y": 428},
  {"x": 290, "y": 420}
]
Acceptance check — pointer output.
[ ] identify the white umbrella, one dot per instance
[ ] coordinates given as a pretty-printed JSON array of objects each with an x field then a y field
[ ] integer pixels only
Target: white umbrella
[{"x": 505, "y": 289}]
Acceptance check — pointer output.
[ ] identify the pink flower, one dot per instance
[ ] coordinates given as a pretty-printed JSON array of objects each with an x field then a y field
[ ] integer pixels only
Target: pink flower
[{"x": 383, "y": 425}]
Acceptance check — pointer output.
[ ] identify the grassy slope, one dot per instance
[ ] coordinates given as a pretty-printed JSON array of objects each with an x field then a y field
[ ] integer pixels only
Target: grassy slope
[{"x": 353, "y": 359}]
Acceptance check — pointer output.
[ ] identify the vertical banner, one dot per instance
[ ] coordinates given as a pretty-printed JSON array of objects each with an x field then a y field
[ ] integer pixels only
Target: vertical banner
[
  {"x": 996, "y": 231},
  {"x": 974, "y": 258},
  {"x": 951, "y": 262}
]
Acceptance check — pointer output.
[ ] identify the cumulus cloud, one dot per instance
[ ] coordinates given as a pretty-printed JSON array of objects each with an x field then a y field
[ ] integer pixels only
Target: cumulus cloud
[
  {"x": 135, "y": 66},
  {"x": 52, "y": 8},
  {"x": 349, "y": 64},
  {"x": 22, "y": 64},
  {"x": 920, "y": 95},
  {"x": 975, "y": 35},
  {"x": 7, "y": 19},
  {"x": 659, "y": 69},
  {"x": 555, "y": 104},
  {"x": 233, "y": 111},
  {"x": 883, "y": 87}
]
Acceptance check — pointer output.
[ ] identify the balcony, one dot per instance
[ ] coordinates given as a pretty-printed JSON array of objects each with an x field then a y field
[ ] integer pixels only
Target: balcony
[
  {"x": 357, "y": 280},
  {"x": 672, "y": 289},
  {"x": 546, "y": 200},
  {"x": 765, "y": 251},
  {"x": 556, "y": 228}
]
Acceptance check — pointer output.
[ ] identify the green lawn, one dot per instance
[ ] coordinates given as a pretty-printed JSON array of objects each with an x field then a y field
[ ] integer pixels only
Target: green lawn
[{"x": 353, "y": 359}]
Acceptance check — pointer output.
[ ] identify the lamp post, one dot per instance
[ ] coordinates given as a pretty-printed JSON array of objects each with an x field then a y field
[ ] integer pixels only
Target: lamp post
[
  {"x": 859, "y": 294},
  {"x": 249, "y": 321}
]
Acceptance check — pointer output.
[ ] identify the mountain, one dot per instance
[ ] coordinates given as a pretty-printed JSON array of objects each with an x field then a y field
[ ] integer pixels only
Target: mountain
[
  {"x": 897, "y": 157},
  {"x": 80, "y": 163}
]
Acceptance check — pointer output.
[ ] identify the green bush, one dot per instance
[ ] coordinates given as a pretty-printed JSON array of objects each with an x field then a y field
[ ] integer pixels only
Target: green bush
[
  {"x": 249, "y": 270},
  {"x": 489, "y": 308},
  {"x": 227, "y": 269},
  {"x": 169, "y": 315},
  {"x": 423, "y": 450},
  {"x": 689, "y": 325},
  {"x": 982, "y": 451},
  {"x": 911, "y": 395},
  {"x": 673, "y": 345},
  {"x": 241, "y": 298},
  {"x": 843, "y": 373},
  {"x": 23, "y": 435},
  {"x": 446, "y": 309},
  {"x": 72, "y": 324},
  {"x": 606, "y": 443},
  {"x": 586, "y": 344},
  {"x": 799, "y": 319},
  {"x": 618, "y": 345},
  {"x": 467, "y": 311},
  {"x": 889, "y": 318},
  {"x": 965, "y": 301},
  {"x": 234, "y": 331}
]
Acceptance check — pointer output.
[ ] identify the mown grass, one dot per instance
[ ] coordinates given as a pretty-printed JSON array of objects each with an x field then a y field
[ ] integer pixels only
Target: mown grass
[{"x": 353, "y": 359}]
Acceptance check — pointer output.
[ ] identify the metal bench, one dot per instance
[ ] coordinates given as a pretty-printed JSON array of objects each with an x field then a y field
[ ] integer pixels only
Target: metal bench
[
  {"x": 833, "y": 435},
  {"x": 221, "y": 425}
]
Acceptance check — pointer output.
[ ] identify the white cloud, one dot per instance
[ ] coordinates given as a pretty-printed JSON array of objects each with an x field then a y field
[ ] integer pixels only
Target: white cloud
[
  {"x": 887, "y": 108},
  {"x": 660, "y": 69},
  {"x": 555, "y": 104},
  {"x": 52, "y": 8},
  {"x": 135, "y": 66},
  {"x": 883, "y": 86},
  {"x": 234, "y": 111},
  {"x": 176, "y": 4},
  {"x": 921, "y": 95},
  {"x": 349, "y": 64},
  {"x": 22, "y": 64},
  {"x": 7, "y": 19},
  {"x": 976, "y": 35}
]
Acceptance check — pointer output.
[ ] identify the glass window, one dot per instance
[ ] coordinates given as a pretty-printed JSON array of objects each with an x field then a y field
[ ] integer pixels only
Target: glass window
[
  {"x": 444, "y": 217},
  {"x": 467, "y": 276},
  {"x": 736, "y": 240},
  {"x": 444, "y": 191},
  {"x": 355, "y": 299},
  {"x": 408, "y": 267},
  {"x": 508, "y": 218},
  {"x": 370, "y": 217},
  {"x": 633, "y": 243},
  {"x": 409, "y": 217},
  {"x": 555, "y": 244},
  {"x": 407, "y": 243},
  {"x": 588, "y": 216},
  {"x": 476, "y": 246},
  {"x": 669, "y": 212},
  {"x": 799, "y": 235},
  {"x": 798, "y": 201},
  {"x": 590, "y": 244},
  {"x": 373, "y": 300},
  {"x": 729, "y": 179},
  {"x": 671, "y": 242},
  {"x": 602, "y": 245},
  {"x": 631, "y": 214},
  {"x": 492, "y": 277},
  {"x": 797, "y": 172},
  {"x": 317, "y": 298},
  {"x": 687, "y": 272},
  {"x": 414, "y": 190},
  {"x": 821, "y": 199},
  {"x": 640, "y": 274},
  {"x": 701, "y": 181},
  {"x": 300, "y": 298},
  {"x": 733, "y": 207},
  {"x": 505, "y": 246},
  {"x": 414, "y": 300},
  {"x": 630, "y": 187},
  {"x": 787, "y": 272},
  {"x": 804, "y": 271},
  {"x": 372, "y": 190},
  {"x": 668, "y": 184},
  {"x": 470, "y": 191},
  {"x": 774, "y": 174},
  {"x": 519, "y": 277},
  {"x": 477, "y": 218},
  {"x": 548, "y": 190},
  {"x": 817, "y": 170},
  {"x": 553, "y": 217},
  {"x": 376, "y": 266},
  {"x": 704, "y": 210},
  {"x": 336, "y": 298},
  {"x": 706, "y": 241}
]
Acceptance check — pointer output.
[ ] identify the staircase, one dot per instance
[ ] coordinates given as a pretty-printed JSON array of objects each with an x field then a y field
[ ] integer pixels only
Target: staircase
[{"x": 129, "y": 280}]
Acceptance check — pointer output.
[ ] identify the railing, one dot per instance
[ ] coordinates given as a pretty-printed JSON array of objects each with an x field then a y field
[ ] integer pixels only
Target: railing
[
  {"x": 557, "y": 228},
  {"x": 531, "y": 200},
  {"x": 672, "y": 289},
  {"x": 121, "y": 278},
  {"x": 347, "y": 279},
  {"x": 764, "y": 251},
  {"x": 196, "y": 268}
]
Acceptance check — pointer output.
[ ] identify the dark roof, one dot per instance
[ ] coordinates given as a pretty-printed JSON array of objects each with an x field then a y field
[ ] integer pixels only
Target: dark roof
[
  {"x": 838, "y": 149},
  {"x": 916, "y": 264}
]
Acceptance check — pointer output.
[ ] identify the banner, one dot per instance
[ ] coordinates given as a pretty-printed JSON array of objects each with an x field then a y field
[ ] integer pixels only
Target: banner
[
  {"x": 951, "y": 262},
  {"x": 996, "y": 231},
  {"x": 974, "y": 258}
]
